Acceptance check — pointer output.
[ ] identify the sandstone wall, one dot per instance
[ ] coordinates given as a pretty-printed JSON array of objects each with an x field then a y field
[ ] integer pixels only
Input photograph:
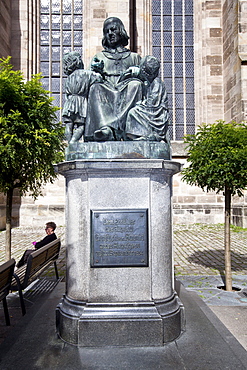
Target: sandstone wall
[
  {"x": 96, "y": 11},
  {"x": 208, "y": 61},
  {"x": 193, "y": 205},
  {"x": 242, "y": 52},
  {"x": 25, "y": 36},
  {"x": 231, "y": 62},
  {"x": 5, "y": 28}
]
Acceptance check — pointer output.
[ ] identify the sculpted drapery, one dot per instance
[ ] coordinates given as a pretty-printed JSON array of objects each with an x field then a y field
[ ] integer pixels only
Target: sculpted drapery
[
  {"x": 123, "y": 98},
  {"x": 110, "y": 101}
]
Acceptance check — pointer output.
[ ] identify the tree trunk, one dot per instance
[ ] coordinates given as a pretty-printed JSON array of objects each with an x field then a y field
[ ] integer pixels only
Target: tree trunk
[
  {"x": 8, "y": 224},
  {"x": 228, "y": 270}
]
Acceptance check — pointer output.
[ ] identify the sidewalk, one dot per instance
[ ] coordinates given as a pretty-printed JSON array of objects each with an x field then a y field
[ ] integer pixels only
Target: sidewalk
[
  {"x": 22, "y": 238},
  {"x": 206, "y": 344},
  {"x": 199, "y": 266},
  {"x": 198, "y": 260}
]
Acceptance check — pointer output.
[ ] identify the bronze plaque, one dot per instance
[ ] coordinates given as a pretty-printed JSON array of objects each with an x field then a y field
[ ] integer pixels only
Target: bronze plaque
[{"x": 119, "y": 238}]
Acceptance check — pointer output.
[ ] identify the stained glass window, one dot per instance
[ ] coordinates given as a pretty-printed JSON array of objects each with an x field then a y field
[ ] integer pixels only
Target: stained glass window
[
  {"x": 173, "y": 45},
  {"x": 60, "y": 32}
]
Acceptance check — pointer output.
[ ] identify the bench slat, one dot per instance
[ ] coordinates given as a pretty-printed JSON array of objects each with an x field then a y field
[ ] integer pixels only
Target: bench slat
[
  {"x": 6, "y": 272},
  {"x": 37, "y": 262},
  {"x": 21, "y": 272}
]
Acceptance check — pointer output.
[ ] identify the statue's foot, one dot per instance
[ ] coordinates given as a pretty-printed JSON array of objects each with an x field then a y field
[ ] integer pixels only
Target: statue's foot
[
  {"x": 104, "y": 134},
  {"x": 77, "y": 134},
  {"x": 131, "y": 137},
  {"x": 151, "y": 137},
  {"x": 140, "y": 138}
]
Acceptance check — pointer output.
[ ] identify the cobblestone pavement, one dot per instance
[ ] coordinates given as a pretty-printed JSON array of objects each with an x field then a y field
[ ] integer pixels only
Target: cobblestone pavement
[
  {"x": 198, "y": 248},
  {"x": 198, "y": 261},
  {"x": 22, "y": 238}
]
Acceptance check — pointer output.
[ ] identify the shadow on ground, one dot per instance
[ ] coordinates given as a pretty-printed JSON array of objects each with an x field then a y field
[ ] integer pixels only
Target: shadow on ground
[
  {"x": 215, "y": 258},
  {"x": 36, "y": 293}
]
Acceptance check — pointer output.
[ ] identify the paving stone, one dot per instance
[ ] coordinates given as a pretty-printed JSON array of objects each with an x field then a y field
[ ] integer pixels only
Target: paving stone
[
  {"x": 198, "y": 262},
  {"x": 202, "y": 248},
  {"x": 22, "y": 238}
]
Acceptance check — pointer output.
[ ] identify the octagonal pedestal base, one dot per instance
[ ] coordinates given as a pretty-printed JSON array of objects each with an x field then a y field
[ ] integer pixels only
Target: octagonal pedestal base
[{"x": 124, "y": 324}]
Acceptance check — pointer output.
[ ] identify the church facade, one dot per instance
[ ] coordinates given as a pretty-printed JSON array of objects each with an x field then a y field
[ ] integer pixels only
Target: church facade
[{"x": 202, "y": 46}]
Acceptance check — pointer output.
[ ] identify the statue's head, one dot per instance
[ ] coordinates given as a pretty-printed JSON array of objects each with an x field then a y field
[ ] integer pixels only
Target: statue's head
[
  {"x": 149, "y": 68},
  {"x": 71, "y": 62},
  {"x": 114, "y": 33}
]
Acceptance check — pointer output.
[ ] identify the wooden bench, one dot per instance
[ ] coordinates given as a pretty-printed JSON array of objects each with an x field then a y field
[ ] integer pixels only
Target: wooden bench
[
  {"x": 37, "y": 262},
  {"x": 6, "y": 274}
]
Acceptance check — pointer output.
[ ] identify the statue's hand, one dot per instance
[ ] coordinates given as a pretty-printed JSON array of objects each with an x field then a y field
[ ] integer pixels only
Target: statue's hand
[
  {"x": 97, "y": 65},
  {"x": 130, "y": 72},
  {"x": 99, "y": 77},
  {"x": 135, "y": 71}
]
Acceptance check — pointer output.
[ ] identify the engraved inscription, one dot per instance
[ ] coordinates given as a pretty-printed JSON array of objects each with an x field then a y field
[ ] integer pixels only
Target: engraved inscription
[{"x": 119, "y": 238}]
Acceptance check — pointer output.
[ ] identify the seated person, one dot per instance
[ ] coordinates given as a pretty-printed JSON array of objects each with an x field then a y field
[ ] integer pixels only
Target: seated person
[
  {"x": 148, "y": 120},
  {"x": 110, "y": 101},
  {"x": 49, "y": 229}
]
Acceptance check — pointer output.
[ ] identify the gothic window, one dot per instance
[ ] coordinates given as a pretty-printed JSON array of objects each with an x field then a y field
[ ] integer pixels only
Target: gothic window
[
  {"x": 173, "y": 46},
  {"x": 60, "y": 32}
]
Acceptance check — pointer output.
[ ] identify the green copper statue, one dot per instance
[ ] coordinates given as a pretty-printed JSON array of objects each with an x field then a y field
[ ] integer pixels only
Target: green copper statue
[
  {"x": 77, "y": 89},
  {"x": 148, "y": 120},
  {"x": 121, "y": 98},
  {"x": 109, "y": 102}
]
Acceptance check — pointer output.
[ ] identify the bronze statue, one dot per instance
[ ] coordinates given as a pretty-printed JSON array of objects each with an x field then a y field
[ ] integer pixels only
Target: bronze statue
[
  {"x": 121, "y": 98},
  {"x": 110, "y": 100},
  {"x": 148, "y": 120},
  {"x": 77, "y": 87}
]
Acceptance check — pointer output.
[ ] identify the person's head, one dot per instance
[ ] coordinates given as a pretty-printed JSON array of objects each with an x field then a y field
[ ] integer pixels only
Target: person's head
[
  {"x": 114, "y": 33},
  {"x": 71, "y": 62},
  {"x": 50, "y": 227},
  {"x": 149, "y": 68}
]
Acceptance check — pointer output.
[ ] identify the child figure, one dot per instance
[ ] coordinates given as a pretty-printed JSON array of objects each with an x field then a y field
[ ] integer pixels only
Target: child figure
[
  {"x": 148, "y": 120},
  {"x": 77, "y": 88}
]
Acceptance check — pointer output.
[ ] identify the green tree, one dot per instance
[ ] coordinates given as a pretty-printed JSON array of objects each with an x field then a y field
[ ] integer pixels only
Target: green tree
[
  {"x": 217, "y": 156},
  {"x": 31, "y": 139}
]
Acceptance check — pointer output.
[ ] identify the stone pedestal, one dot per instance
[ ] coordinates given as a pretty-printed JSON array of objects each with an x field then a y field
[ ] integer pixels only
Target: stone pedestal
[{"x": 129, "y": 298}]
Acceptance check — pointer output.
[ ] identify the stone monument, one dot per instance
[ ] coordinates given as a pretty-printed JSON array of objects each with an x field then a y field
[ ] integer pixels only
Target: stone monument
[{"x": 118, "y": 170}]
